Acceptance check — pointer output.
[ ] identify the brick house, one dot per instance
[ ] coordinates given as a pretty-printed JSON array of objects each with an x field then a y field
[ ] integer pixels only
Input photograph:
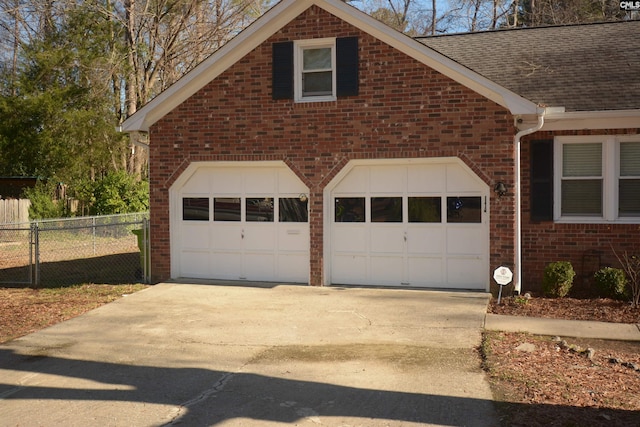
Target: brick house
[{"x": 320, "y": 146}]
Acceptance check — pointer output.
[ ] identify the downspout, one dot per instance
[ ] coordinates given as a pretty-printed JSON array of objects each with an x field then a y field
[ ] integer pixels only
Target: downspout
[{"x": 518, "y": 270}]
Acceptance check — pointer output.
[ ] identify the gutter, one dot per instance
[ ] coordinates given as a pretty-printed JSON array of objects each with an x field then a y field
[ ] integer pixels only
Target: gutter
[{"x": 517, "y": 142}]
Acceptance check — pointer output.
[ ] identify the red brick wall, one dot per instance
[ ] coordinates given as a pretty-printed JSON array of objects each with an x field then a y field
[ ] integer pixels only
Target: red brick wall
[
  {"x": 404, "y": 110},
  {"x": 586, "y": 246}
]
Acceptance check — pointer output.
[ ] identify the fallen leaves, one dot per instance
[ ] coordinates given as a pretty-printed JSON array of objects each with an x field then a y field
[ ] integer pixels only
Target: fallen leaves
[{"x": 26, "y": 310}]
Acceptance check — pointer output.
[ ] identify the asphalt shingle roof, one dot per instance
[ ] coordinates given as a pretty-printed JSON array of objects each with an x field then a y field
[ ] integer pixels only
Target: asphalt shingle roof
[{"x": 588, "y": 67}]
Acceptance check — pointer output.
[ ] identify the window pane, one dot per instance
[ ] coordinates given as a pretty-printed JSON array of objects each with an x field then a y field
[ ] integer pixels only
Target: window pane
[
  {"x": 582, "y": 197},
  {"x": 316, "y": 59},
  {"x": 293, "y": 210},
  {"x": 629, "y": 196},
  {"x": 582, "y": 160},
  {"x": 630, "y": 159},
  {"x": 350, "y": 209},
  {"x": 464, "y": 209},
  {"x": 425, "y": 209},
  {"x": 317, "y": 83},
  {"x": 386, "y": 209},
  {"x": 226, "y": 209},
  {"x": 195, "y": 209},
  {"x": 259, "y": 209}
]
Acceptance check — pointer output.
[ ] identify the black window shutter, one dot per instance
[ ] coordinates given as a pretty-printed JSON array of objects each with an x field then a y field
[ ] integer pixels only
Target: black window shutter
[
  {"x": 542, "y": 180},
  {"x": 282, "y": 69},
  {"x": 347, "y": 66}
]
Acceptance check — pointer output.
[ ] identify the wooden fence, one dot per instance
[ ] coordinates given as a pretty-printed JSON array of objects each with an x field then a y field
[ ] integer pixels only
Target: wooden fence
[{"x": 13, "y": 211}]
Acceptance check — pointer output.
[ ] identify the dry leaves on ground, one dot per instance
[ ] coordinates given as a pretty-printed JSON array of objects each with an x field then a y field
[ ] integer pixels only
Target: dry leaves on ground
[
  {"x": 557, "y": 385},
  {"x": 596, "y": 309},
  {"x": 25, "y": 310}
]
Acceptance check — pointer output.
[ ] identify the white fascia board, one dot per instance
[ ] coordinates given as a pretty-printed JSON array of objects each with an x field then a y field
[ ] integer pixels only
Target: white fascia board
[
  {"x": 585, "y": 120},
  {"x": 283, "y": 13}
]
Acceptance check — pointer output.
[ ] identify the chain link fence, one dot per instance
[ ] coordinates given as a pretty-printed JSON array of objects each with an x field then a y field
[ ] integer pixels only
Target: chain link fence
[{"x": 101, "y": 249}]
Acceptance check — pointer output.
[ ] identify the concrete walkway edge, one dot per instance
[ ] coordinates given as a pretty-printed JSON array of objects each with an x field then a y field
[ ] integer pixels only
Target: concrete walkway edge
[{"x": 563, "y": 328}]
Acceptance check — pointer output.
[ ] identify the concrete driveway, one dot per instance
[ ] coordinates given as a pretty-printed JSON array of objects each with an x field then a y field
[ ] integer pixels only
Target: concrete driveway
[{"x": 204, "y": 355}]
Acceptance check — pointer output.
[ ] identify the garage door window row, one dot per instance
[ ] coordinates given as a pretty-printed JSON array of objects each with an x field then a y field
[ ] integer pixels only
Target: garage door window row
[
  {"x": 256, "y": 209},
  {"x": 459, "y": 209}
]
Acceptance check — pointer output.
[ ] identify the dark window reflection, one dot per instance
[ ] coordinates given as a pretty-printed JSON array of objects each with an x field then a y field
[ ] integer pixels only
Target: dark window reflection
[
  {"x": 386, "y": 209},
  {"x": 195, "y": 209},
  {"x": 226, "y": 209},
  {"x": 464, "y": 209},
  {"x": 425, "y": 209},
  {"x": 293, "y": 210},
  {"x": 260, "y": 209},
  {"x": 349, "y": 209}
]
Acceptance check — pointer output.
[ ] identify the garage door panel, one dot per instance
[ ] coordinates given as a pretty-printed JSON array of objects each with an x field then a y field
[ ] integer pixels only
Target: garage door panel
[
  {"x": 288, "y": 182},
  {"x": 386, "y": 180},
  {"x": 422, "y": 180},
  {"x": 259, "y": 266},
  {"x": 259, "y": 238},
  {"x": 350, "y": 269},
  {"x": 293, "y": 267},
  {"x": 293, "y": 238},
  {"x": 196, "y": 263},
  {"x": 197, "y": 184},
  {"x": 260, "y": 181},
  {"x": 467, "y": 272},
  {"x": 425, "y": 239},
  {"x": 387, "y": 239},
  {"x": 459, "y": 180},
  {"x": 226, "y": 265},
  {"x": 465, "y": 239},
  {"x": 195, "y": 236},
  {"x": 225, "y": 181},
  {"x": 350, "y": 238},
  {"x": 355, "y": 182},
  {"x": 384, "y": 270},
  {"x": 226, "y": 237},
  {"x": 425, "y": 271}
]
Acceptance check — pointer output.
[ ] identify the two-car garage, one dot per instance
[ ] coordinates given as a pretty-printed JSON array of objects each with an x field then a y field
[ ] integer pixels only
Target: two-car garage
[{"x": 417, "y": 222}]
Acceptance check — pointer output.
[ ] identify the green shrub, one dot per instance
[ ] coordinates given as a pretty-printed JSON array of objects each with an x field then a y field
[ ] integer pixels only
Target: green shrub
[
  {"x": 43, "y": 205},
  {"x": 611, "y": 282},
  {"x": 117, "y": 193},
  {"x": 558, "y": 279}
]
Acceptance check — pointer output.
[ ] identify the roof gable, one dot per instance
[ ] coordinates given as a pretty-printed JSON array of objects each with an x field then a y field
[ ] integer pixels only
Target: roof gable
[{"x": 283, "y": 13}]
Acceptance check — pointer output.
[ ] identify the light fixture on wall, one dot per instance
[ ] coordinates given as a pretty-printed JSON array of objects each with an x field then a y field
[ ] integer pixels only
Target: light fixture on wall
[
  {"x": 500, "y": 189},
  {"x": 303, "y": 197}
]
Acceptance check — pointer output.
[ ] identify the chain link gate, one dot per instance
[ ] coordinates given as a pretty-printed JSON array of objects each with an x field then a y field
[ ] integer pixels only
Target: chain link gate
[
  {"x": 102, "y": 249},
  {"x": 16, "y": 254}
]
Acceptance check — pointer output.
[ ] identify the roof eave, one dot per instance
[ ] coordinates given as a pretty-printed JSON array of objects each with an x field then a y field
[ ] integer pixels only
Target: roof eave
[{"x": 588, "y": 120}]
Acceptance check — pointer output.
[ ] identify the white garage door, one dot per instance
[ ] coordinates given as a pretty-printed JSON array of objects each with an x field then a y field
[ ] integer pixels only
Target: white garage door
[
  {"x": 244, "y": 221},
  {"x": 410, "y": 225}
]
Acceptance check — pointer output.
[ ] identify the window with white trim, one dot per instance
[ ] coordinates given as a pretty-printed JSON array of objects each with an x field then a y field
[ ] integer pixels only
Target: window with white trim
[
  {"x": 315, "y": 70},
  {"x": 597, "y": 178}
]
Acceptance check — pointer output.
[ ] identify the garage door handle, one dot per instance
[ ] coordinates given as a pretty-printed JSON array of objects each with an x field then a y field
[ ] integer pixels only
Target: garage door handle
[
  {"x": 242, "y": 234},
  {"x": 405, "y": 237}
]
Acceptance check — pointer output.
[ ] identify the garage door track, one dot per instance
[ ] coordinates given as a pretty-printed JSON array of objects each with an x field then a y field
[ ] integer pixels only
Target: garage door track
[{"x": 228, "y": 355}]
